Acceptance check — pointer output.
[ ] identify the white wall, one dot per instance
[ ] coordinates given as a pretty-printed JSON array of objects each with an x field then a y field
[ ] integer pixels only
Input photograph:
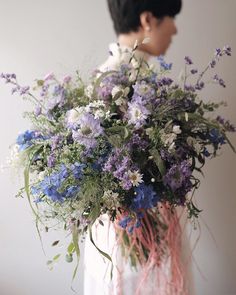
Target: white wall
[{"x": 37, "y": 37}]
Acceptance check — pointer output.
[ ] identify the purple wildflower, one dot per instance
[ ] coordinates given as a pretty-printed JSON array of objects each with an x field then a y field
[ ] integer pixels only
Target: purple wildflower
[
  {"x": 220, "y": 81},
  {"x": 89, "y": 129},
  {"x": 189, "y": 88},
  {"x": 144, "y": 90},
  {"x": 188, "y": 60},
  {"x": 200, "y": 85},
  {"x": 212, "y": 63},
  {"x": 193, "y": 71},
  {"x": 227, "y": 50},
  {"x": 177, "y": 175},
  {"x": 137, "y": 113}
]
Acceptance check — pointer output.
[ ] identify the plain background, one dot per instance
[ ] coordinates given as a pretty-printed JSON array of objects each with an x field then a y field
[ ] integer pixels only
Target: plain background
[{"x": 37, "y": 37}]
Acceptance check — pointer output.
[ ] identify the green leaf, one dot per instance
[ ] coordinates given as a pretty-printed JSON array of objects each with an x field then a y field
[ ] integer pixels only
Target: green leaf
[
  {"x": 71, "y": 248},
  {"x": 158, "y": 160},
  {"x": 103, "y": 253},
  {"x": 55, "y": 258}
]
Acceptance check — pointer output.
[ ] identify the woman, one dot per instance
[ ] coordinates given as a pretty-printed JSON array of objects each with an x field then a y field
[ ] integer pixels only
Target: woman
[{"x": 134, "y": 21}]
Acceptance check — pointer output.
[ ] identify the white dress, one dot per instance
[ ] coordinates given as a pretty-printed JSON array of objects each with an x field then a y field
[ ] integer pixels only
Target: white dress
[{"x": 96, "y": 267}]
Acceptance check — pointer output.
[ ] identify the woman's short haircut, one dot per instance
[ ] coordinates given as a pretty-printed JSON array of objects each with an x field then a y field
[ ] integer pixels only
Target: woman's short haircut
[{"x": 126, "y": 13}]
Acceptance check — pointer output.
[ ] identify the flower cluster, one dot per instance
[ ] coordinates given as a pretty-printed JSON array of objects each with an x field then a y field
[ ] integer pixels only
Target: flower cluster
[{"x": 123, "y": 144}]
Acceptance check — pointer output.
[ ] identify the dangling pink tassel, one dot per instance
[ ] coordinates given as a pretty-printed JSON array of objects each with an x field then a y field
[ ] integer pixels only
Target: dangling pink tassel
[{"x": 164, "y": 251}]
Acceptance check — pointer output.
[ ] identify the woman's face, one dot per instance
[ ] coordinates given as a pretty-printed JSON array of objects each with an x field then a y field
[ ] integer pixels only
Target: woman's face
[{"x": 160, "y": 34}]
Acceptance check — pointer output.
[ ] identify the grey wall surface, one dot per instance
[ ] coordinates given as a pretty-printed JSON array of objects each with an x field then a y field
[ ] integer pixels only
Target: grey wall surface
[{"x": 37, "y": 37}]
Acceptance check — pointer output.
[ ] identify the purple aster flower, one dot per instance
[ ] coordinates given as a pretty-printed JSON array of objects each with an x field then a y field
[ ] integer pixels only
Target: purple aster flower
[
  {"x": 177, "y": 175},
  {"x": 89, "y": 129},
  {"x": 144, "y": 90},
  {"x": 137, "y": 113}
]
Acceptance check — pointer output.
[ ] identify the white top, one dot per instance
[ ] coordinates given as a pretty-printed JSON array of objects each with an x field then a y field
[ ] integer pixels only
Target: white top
[{"x": 96, "y": 267}]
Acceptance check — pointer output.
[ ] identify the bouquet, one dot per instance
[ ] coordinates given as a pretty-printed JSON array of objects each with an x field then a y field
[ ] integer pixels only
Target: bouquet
[{"x": 126, "y": 144}]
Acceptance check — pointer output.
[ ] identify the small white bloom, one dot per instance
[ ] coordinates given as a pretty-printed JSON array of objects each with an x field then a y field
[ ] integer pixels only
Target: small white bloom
[
  {"x": 176, "y": 129},
  {"x": 74, "y": 115},
  {"x": 135, "y": 63},
  {"x": 108, "y": 115},
  {"x": 89, "y": 90},
  {"x": 41, "y": 175},
  {"x": 171, "y": 147},
  {"x": 99, "y": 114},
  {"x": 119, "y": 101},
  {"x": 109, "y": 194},
  {"x": 115, "y": 90},
  {"x": 168, "y": 138},
  {"x": 186, "y": 116},
  {"x": 135, "y": 177}
]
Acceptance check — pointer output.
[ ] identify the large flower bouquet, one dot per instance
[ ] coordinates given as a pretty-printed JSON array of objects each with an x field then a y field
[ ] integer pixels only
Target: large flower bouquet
[{"x": 126, "y": 144}]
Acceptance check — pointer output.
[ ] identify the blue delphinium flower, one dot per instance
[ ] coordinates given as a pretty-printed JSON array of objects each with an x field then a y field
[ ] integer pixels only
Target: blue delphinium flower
[
  {"x": 25, "y": 140},
  {"x": 165, "y": 66},
  {"x": 216, "y": 137},
  {"x": 51, "y": 185},
  {"x": 124, "y": 222},
  {"x": 145, "y": 197},
  {"x": 77, "y": 170}
]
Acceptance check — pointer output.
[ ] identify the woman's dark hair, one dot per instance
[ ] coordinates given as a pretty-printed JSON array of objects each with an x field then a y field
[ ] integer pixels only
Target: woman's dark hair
[{"x": 126, "y": 13}]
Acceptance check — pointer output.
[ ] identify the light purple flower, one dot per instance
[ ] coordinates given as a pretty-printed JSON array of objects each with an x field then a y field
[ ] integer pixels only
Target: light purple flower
[
  {"x": 188, "y": 60},
  {"x": 88, "y": 130},
  {"x": 137, "y": 112}
]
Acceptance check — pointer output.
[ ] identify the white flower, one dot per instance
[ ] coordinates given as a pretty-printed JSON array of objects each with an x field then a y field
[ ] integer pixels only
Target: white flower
[
  {"x": 41, "y": 175},
  {"x": 135, "y": 177},
  {"x": 99, "y": 114},
  {"x": 89, "y": 90},
  {"x": 109, "y": 194},
  {"x": 167, "y": 138},
  {"x": 186, "y": 116},
  {"x": 115, "y": 90},
  {"x": 176, "y": 129},
  {"x": 171, "y": 147},
  {"x": 74, "y": 115}
]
